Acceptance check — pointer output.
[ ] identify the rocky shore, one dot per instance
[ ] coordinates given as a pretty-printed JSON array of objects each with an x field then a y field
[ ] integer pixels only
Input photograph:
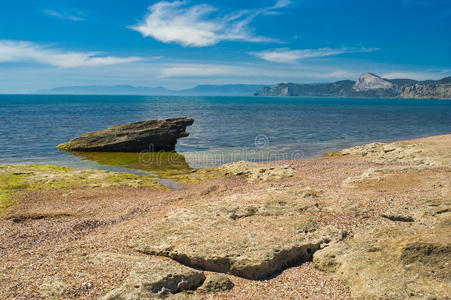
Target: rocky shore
[{"x": 367, "y": 222}]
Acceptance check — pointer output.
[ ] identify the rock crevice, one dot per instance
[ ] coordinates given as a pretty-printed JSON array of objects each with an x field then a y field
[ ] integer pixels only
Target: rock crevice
[{"x": 252, "y": 241}]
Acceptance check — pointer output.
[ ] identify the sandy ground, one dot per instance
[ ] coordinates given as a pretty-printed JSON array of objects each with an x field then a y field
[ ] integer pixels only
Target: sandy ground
[{"x": 49, "y": 234}]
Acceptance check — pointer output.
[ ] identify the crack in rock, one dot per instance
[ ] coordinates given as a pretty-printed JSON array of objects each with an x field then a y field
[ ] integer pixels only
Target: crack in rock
[{"x": 249, "y": 240}]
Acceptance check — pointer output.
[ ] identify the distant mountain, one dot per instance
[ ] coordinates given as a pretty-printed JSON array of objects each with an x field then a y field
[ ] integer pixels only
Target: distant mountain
[
  {"x": 367, "y": 85},
  {"x": 222, "y": 90},
  {"x": 200, "y": 90},
  {"x": 370, "y": 81}
]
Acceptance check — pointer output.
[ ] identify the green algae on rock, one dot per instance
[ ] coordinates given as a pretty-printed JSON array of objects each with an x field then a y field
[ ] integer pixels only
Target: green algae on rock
[
  {"x": 163, "y": 164},
  {"x": 18, "y": 178}
]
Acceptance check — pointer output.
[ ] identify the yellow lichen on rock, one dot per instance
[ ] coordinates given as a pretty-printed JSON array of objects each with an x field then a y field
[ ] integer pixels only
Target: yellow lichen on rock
[{"x": 18, "y": 178}]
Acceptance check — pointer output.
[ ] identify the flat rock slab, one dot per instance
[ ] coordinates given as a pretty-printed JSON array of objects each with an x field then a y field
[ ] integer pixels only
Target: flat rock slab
[
  {"x": 257, "y": 172},
  {"x": 250, "y": 240},
  {"x": 404, "y": 260},
  {"x": 427, "y": 152},
  {"x": 153, "y": 135},
  {"x": 152, "y": 278}
]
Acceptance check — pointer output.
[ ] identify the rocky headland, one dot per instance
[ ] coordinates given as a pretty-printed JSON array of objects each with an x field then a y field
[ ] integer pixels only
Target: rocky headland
[
  {"x": 368, "y": 222},
  {"x": 368, "y": 85}
]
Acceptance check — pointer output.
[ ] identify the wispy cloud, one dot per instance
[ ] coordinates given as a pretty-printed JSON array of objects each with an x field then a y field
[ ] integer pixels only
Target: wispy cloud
[
  {"x": 76, "y": 17},
  {"x": 416, "y": 75},
  {"x": 21, "y": 51},
  {"x": 197, "y": 70},
  {"x": 285, "y": 55},
  {"x": 281, "y": 4},
  {"x": 250, "y": 71},
  {"x": 200, "y": 25}
]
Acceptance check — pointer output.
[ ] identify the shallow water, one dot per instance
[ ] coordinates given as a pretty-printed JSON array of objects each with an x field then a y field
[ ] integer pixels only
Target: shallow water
[{"x": 225, "y": 129}]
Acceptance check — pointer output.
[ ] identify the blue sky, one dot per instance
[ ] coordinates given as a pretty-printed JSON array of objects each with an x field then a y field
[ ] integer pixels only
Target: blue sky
[{"x": 179, "y": 44}]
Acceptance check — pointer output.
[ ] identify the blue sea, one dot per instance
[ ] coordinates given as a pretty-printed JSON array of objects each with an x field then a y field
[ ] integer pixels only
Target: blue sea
[{"x": 225, "y": 129}]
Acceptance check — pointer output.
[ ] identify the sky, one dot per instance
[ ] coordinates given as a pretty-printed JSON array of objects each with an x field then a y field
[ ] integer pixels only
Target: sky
[{"x": 179, "y": 44}]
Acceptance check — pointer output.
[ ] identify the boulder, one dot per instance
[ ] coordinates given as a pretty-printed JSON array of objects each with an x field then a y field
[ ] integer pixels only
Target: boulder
[
  {"x": 154, "y": 135},
  {"x": 216, "y": 283},
  {"x": 251, "y": 239},
  {"x": 153, "y": 277}
]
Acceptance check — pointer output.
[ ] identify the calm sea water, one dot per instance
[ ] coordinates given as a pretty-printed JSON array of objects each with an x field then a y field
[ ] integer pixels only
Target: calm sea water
[{"x": 225, "y": 128}]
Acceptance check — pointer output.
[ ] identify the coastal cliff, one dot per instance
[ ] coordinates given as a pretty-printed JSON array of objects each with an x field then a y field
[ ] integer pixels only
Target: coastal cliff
[
  {"x": 438, "y": 89},
  {"x": 368, "y": 85}
]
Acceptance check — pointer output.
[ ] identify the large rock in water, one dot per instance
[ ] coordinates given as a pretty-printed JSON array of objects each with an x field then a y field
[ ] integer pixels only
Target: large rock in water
[{"x": 153, "y": 135}]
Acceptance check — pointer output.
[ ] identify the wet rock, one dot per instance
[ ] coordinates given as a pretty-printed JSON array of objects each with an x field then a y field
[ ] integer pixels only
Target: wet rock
[
  {"x": 247, "y": 239},
  {"x": 154, "y": 135}
]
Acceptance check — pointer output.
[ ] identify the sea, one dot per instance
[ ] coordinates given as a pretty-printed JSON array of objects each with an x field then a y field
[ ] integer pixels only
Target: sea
[{"x": 226, "y": 129}]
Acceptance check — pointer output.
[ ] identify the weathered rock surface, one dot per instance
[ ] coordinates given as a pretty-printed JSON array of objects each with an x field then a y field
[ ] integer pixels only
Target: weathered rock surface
[
  {"x": 411, "y": 256},
  {"x": 152, "y": 277},
  {"x": 257, "y": 172},
  {"x": 427, "y": 152},
  {"x": 216, "y": 283},
  {"x": 154, "y": 135},
  {"x": 53, "y": 289},
  {"x": 248, "y": 238},
  {"x": 393, "y": 262}
]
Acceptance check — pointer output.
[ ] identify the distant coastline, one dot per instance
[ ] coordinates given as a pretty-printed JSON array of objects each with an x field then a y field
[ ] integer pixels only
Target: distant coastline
[
  {"x": 199, "y": 90},
  {"x": 368, "y": 85}
]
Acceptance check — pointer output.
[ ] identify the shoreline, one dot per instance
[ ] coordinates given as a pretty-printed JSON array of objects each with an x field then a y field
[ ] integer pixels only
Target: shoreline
[{"x": 80, "y": 234}]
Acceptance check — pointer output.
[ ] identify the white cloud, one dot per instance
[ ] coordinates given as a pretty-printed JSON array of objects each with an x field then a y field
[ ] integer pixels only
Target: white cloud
[
  {"x": 281, "y": 4},
  {"x": 415, "y": 75},
  {"x": 197, "y": 70},
  {"x": 21, "y": 51},
  {"x": 195, "y": 26},
  {"x": 251, "y": 71},
  {"x": 63, "y": 15},
  {"x": 290, "y": 56}
]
